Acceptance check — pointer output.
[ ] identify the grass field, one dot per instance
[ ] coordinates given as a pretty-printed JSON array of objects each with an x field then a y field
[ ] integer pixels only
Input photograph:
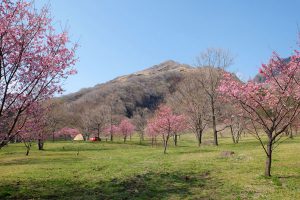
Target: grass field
[{"x": 105, "y": 170}]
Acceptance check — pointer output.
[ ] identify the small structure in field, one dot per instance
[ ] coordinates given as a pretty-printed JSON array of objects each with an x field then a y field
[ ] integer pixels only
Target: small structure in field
[
  {"x": 78, "y": 137},
  {"x": 95, "y": 139}
]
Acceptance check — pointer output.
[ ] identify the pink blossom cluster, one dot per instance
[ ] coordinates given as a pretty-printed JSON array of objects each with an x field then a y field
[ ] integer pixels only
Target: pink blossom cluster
[
  {"x": 125, "y": 128},
  {"x": 32, "y": 125},
  {"x": 111, "y": 130},
  {"x": 165, "y": 122},
  {"x": 273, "y": 103},
  {"x": 34, "y": 60}
]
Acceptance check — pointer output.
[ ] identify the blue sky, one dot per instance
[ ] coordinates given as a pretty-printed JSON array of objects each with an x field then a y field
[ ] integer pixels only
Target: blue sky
[{"x": 119, "y": 37}]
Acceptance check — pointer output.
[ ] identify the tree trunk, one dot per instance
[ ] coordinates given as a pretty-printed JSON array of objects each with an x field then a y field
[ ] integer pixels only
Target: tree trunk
[
  {"x": 291, "y": 133},
  {"x": 239, "y": 136},
  {"x": 214, "y": 123},
  {"x": 98, "y": 131},
  {"x": 166, "y": 144},
  {"x": 269, "y": 159},
  {"x": 40, "y": 144},
  {"x": 175, "y": 139},
  {"x": 142, "y": 136},
  {"x": 199, "y": 140},
  {"x": 3, "y": 143},
  {"x": 27, "y": 150},
  {"x": 124, "y": 139},
  {"x": 111, "y": 137},
  {"x": 215, "y": 132},
  {"x": 232, "y": 135},
  {"x": 53, "y": 137},
  {"x": 199, "y": 137},
  {"x": 165, "y": 147}
]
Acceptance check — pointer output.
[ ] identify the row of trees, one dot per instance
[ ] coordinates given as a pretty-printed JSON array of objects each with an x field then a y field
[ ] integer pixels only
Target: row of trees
[
  {"x": 34, "y": 59},
  {"x": 124, "y": 129},
  {"x": 199, "y": 112}
]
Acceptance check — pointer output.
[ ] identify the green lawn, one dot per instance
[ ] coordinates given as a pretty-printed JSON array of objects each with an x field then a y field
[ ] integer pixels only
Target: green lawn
[{"x": 105, "y": 170}]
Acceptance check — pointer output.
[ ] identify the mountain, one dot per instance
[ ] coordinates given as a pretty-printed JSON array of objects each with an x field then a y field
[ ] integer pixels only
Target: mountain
[{"x": 143, "y": 89}]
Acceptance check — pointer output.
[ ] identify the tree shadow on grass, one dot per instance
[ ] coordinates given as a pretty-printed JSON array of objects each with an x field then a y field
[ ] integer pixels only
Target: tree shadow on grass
[
  {"x": 152, "y": 185},
  {"x": 32, "y": 161}
]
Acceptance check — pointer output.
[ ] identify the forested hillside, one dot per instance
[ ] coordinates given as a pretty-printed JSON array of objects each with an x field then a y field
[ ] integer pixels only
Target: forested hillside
[{"x": 123, "y": 96}]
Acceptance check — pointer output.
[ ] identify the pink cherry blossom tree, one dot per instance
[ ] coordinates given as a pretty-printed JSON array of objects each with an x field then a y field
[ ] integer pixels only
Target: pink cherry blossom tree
[
  {"x": 268, "y": 107},
  {"x": 34, "y": 58},
  {"x": 31, "y": 127},
  {"x": 126, "y": 129},
  {"x": 152, "y": 132},
  {"x": 167, "y": 124}
]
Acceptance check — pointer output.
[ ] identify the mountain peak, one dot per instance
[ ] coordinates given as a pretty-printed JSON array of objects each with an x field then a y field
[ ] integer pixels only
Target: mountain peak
[
  {"x": 169, "y": 62},
  {"x": 164, "y": 67},
  {"x": 169, "y": 65}
]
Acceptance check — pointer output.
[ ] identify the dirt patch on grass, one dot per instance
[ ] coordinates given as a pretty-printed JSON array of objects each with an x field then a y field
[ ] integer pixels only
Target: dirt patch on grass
[{"x": 227, "y": 154}]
